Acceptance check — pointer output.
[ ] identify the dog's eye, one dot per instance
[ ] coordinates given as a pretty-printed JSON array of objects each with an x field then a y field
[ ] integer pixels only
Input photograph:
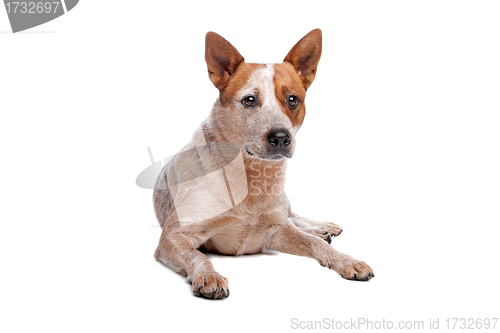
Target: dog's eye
[
  {"x": 292, "y": 101},
  {"x": 249, "y": 101}
]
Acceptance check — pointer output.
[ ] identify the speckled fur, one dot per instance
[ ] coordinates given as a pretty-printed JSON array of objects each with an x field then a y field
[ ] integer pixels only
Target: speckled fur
[{"x": 264, "y": 219}]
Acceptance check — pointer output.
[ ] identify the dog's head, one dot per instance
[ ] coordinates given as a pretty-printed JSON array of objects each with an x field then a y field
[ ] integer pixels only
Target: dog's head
[{"x": 261, "y": 107}]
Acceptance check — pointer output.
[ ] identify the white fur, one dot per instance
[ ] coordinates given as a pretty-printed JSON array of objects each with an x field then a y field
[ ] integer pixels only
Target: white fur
[{"x": 268, "y": 115}]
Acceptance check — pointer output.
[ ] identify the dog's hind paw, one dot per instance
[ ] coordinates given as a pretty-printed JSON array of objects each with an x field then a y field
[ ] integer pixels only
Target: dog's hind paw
[{"x": 210, "y": 285}]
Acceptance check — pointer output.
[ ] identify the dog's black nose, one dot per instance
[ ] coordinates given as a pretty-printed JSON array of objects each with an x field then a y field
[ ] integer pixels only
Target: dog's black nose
[{"x": 279, "y": 138}]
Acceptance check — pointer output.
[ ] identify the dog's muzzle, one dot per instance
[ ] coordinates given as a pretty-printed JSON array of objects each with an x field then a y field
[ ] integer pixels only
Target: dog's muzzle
[{"x": 277, "y": 145}]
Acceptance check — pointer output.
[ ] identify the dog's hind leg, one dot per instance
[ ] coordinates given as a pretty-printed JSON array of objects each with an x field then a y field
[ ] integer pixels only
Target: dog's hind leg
[
  {"x": 324, "y": 230},
  {"x": 177, "y": 249}
]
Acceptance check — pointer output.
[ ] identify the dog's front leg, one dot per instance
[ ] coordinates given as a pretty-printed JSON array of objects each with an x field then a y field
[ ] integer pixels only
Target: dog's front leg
[
  {"x": 290, "y": 239},
  {"x": 177, "y": 249}
]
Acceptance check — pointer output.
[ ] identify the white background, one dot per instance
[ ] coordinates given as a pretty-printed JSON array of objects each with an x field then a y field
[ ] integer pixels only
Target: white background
[{"x": 400, "y": 146}]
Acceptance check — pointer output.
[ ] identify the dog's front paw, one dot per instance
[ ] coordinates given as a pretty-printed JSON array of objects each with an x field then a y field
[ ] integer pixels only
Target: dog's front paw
[
  {"x": 351, "y": 269},
  {"x": 326, "y": 231},
  {"x": 211, "y": 285}
]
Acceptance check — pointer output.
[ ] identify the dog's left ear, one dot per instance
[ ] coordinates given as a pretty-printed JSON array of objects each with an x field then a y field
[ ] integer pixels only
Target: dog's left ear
[
  {"x": 222, "y": 59},
  {"x": 304, "y": 56}
]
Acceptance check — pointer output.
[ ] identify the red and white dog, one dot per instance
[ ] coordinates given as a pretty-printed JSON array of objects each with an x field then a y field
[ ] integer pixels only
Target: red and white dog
[{"x": 260, "y": 109}]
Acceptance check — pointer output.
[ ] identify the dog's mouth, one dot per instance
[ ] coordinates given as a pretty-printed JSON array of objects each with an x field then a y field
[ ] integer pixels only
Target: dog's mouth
[{"x": 269, "y": 157}]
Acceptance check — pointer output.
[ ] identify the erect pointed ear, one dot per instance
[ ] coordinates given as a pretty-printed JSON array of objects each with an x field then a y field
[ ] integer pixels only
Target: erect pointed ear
[
  {"x": 222, "y": 59},
  {"x": 304, "y": 56}
]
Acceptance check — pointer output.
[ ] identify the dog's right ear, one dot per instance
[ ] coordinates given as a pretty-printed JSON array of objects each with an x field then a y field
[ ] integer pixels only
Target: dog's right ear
[{"x": 222, "y": 59}]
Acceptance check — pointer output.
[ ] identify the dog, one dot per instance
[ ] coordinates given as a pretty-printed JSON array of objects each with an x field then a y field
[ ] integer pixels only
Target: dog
[{"x": 259, "y": 110}]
